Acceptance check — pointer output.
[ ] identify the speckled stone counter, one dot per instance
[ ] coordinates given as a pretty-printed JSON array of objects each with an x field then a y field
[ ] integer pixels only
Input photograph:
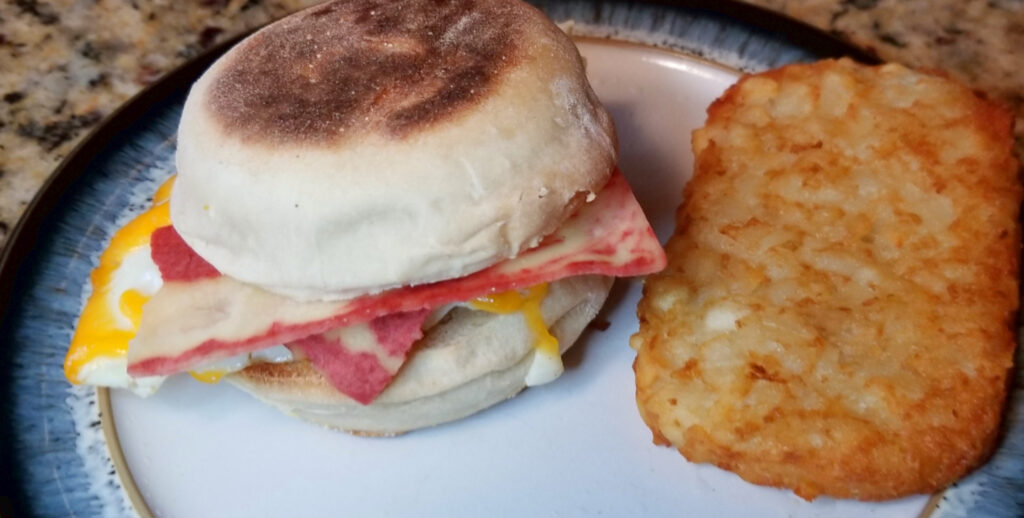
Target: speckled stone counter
[{"x": 65, "y": 64}]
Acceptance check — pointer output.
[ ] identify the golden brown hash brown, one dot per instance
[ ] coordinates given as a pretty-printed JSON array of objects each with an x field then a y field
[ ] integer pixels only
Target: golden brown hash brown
[{"x": 837, "y": 313}]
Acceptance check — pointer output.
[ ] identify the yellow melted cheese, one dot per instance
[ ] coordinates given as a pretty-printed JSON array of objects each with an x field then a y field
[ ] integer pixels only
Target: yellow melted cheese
[
  {"x": 101, "y": 331},
  {"x": 529, "y": 305},
  {"x": 211, "y": 376}
]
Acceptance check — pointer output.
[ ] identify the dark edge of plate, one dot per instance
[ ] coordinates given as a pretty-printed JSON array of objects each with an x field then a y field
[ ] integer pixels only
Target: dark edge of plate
[
  {"x": 801, "y": 34},
  {"x": 24, "y": 236}
]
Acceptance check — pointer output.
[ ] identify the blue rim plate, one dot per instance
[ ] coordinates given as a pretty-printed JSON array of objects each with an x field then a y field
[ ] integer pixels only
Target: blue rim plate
[{"x": 45, "y": 464}]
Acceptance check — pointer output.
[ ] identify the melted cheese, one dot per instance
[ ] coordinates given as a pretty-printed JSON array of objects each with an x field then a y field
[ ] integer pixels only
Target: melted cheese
[
  {"x": 547, "y": 361},
  {"x": 210, "y": 376},
  {"x": 122, "y": 282}
]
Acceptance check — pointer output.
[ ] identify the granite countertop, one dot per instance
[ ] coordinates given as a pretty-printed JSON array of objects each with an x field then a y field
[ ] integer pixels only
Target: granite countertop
[{"x": 65, "y": 64}]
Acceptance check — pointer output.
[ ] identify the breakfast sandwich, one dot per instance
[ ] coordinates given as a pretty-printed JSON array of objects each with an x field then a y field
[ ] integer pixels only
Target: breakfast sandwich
[
  {"x": 837, "y": 315},
  {"x": 386, "y": 215}
]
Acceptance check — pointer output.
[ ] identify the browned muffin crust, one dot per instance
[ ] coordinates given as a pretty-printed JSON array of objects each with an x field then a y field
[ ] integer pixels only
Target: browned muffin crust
[{"x": 398, "y": 66}]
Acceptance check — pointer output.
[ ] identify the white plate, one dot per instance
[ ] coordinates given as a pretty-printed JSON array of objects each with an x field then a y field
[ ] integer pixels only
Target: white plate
[{"x": 576, "y": 447}]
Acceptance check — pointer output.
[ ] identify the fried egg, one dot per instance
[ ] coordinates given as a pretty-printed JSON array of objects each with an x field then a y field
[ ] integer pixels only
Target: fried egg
[
  {"x": 127, "y": 277},
  {"x": 124, "y": 280},
  {"x": 547, "y": 359}
]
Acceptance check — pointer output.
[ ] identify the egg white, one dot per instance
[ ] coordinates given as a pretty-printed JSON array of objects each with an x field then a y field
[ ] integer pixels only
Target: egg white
[
  {"x": 544, "y": 369},
  {"x": 138, "y": 272},
  {"x": 272, "y": 354}
]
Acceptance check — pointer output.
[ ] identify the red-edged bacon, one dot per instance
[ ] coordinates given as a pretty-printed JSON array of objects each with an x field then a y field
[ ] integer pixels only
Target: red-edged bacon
[
  {"x": 361, "y": 360},
  {"x": 191, "y": 322},
  {"x": 175, "y": 259}
]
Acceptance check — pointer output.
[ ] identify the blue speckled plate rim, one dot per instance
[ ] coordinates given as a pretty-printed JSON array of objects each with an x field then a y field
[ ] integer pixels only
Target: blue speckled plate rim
[{"x": 24, "y": 238}]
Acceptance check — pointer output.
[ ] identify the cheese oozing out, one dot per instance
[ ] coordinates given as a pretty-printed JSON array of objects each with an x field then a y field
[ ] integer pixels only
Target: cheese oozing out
[
  {"x": 122, "y": 283},
  {"x": 547, "y": 358}
]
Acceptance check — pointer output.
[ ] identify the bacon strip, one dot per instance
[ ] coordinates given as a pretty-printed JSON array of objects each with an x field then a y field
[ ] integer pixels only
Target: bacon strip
[
  {"x": 175, "y": 259},
  {"x": 190, "y": 322},
  {"x": 361, "y": 360}
]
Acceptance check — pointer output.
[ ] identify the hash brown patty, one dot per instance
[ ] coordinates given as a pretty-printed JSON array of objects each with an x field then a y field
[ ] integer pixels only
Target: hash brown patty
[{"x": 837, "y": 315}]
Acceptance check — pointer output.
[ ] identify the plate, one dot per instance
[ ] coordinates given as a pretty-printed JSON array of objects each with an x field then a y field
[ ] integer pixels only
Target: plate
[
  {"x": 576, "y": 447},
  {"x": 563, "y": 449}
]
